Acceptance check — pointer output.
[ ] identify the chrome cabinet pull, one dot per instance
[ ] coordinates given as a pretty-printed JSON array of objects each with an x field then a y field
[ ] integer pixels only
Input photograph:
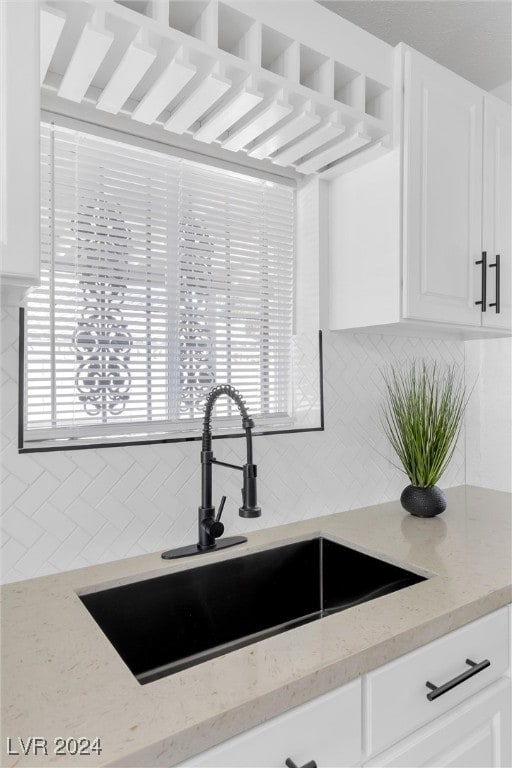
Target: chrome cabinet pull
[
  {"x": 497, "y": 266},
  {"x": 438, "y": 690},
  {"x": 483, "y": 300}
]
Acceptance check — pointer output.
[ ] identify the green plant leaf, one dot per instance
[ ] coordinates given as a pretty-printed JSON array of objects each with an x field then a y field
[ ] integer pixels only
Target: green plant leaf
[{"x": 422, "y": 417}]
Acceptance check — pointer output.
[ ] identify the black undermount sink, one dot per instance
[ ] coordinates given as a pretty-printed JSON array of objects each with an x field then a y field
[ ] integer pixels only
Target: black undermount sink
[{"x": 164, "y": 624}]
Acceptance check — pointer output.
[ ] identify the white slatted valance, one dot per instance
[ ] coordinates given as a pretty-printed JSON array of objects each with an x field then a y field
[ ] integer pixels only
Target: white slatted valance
[{"x": 160, "y": 278}]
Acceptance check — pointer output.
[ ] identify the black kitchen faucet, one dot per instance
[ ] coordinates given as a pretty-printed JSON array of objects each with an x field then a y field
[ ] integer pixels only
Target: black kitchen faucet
[{"x": 210, "y": 526}]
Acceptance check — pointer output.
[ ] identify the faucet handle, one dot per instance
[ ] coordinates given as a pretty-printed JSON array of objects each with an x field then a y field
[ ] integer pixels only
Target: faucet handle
[{"x": 221, "y": 507}]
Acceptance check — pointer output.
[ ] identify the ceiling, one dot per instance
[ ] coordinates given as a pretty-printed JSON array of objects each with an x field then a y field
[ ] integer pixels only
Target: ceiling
[{"x": 470, "y": 37}]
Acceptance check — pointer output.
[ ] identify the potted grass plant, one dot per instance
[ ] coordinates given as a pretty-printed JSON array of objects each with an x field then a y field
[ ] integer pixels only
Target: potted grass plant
[{"x": 422, "y": 419}]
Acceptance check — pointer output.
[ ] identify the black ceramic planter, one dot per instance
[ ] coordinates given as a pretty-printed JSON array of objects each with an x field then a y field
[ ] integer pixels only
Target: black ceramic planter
[{"x": 423, "y": 502}]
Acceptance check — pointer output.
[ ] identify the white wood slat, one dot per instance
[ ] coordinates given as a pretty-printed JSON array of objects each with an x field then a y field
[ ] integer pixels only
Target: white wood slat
[
  {"x": 87, "y": 57},
  {"x": 129, "y": 72},
  {"x": 324, "y": 133},
  {"x": 291, "y": 131},
  {"x": 228, "y": 114},
  {"x": 172, "y": 80},
  {"x": 273, "y": 113},
  {"x": 194, "y": 106},
  {"x": 52, "y": 23},
  {"x": 365, "y": 156},
  {"x": 331, "y": 154}
]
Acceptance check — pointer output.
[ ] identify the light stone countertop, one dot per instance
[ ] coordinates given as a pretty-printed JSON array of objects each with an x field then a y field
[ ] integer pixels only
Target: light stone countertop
[{"x": 62, "y": 677}]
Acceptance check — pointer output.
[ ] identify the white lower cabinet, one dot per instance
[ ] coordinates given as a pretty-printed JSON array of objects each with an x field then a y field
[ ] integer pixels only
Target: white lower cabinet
[
  {"x": 326, "y": 730},
  {"x": 473, "y": 735},
  {"x": 445, "y": 704},
  {"x": 396, "y": 694}
]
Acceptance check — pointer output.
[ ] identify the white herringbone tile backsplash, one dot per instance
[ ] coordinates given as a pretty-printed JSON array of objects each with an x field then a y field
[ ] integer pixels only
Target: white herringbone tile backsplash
[{"x": 63, "y": 510}]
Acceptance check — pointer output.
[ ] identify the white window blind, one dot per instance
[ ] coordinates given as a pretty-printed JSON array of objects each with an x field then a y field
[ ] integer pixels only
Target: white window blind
[{"x": 160, "y": 278}]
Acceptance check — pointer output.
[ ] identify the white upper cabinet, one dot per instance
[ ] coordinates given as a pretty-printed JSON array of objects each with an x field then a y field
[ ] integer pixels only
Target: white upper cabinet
[
  {"x": 421, "y": 239},
  {"x": 457, "y": 205},
  {"x": 19, "y": 147},
  {"x": 442, "y": 193},
  {"x": 497, "y": 207}
]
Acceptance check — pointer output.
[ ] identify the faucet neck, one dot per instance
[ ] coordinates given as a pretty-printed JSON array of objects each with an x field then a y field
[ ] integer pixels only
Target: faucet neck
[{"x": 234, "y": 394}]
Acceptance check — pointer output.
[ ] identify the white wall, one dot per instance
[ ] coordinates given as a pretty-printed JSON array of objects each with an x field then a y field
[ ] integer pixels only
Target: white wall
[
  {"x": 64, "y": 510},
  {"x": 489, "y": 414},
  {"x": 504, "y": 91}
]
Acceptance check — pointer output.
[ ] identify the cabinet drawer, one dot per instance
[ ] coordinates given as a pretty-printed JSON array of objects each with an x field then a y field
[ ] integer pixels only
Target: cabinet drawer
[
  {"x": 475, "y": 734},
  {"x": 326, "y": 730},
  {"x": 397, "y": 692}
]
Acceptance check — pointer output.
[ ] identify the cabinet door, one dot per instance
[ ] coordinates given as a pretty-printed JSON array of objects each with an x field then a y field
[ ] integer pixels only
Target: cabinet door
[
  {"x": 497, "y": 209},
  {"x": 326, "y": 730},
  {"x": 442, "y": 193},
  {"x": 473, "y": 735},
  {"x": 19, "y": 147}
]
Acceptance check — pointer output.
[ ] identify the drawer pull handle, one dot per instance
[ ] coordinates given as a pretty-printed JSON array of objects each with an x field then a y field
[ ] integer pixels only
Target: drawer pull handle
[
  {"x": 496, "y": 265},
  {"x": 474, "y": 669},
  {"x": 290, "y": 764},
  {"x": 483, "y": 300}
]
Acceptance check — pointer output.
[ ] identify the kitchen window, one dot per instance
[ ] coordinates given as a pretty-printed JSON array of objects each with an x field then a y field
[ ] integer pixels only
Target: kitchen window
[{"x": 160, "y": 278}]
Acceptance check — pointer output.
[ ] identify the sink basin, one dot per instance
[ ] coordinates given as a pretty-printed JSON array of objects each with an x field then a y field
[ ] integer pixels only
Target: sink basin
[{"x": 162, "y": 625}]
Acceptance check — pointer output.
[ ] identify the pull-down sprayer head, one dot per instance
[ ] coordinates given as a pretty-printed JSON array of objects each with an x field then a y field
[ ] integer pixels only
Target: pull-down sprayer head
[{"x": 249, "y": 506}]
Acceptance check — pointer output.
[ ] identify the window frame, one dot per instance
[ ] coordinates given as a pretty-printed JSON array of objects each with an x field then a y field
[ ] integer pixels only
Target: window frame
[{"x": 225, "y": 427}]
